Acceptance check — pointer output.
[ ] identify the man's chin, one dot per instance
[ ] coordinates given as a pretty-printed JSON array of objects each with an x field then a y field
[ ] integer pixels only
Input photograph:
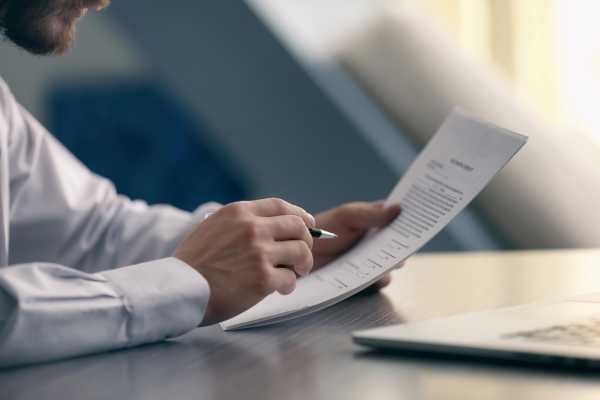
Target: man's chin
[
  {"x": 50, "y": 39},
  {"x": 42, "y": 32},
  {"x": 42, "y": 47}
]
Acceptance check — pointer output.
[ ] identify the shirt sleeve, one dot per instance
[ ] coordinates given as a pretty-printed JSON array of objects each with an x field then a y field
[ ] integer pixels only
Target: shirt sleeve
[
  {"x": 61, "y": 212},
  {"x": 50, "y": 312},
  {"x": 88, "y": 270}
]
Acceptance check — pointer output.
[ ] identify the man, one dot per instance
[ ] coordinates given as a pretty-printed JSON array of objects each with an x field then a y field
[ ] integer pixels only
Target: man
[{"x": 84, "y": 270}]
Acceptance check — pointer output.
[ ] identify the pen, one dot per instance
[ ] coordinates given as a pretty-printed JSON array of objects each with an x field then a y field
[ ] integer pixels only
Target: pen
[
  {"x": 321, "y": 234},
  {"x": 316, "y": 233}
]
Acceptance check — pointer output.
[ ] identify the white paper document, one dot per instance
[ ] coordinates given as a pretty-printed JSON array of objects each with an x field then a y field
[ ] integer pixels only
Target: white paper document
[{"x": 457, "y": 163}]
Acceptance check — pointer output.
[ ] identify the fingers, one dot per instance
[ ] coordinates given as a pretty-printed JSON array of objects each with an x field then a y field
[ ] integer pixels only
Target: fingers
[
  {"x": 383, "y": 282},
  {"x": 377, "y": 286},
  {"x": 362, "y": 216},
  {"x": 283, "y": 280},
  {"x": 293, "y": 243},
  {"x": 285, "y": 261},
  {"x": 289, "y": 227},
  {"x": 277, "y": 207},
  {"x": 294, "y": 253}
]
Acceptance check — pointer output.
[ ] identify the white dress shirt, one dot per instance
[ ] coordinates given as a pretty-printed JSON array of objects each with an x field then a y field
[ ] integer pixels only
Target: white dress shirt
[{"x": 82, "y": 269}]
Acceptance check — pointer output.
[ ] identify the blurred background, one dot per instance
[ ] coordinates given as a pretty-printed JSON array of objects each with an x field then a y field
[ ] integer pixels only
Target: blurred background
[{"x": 326, "y": 101}]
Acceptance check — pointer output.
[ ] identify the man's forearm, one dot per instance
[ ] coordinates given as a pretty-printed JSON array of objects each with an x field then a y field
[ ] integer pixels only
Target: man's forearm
[{"x": 50, "y": 312}]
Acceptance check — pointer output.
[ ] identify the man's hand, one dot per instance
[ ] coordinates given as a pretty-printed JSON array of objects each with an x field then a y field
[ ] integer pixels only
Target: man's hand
[
  {"x": 248, "y": 250},
  {"x": 350, "y": 222}
]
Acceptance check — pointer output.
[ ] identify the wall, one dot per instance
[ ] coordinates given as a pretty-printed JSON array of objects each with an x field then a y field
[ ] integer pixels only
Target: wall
[
  {"x": 102, "y": 49},
  {"x": 263, "y": 106},
  {"x": 266, "y": 110}
]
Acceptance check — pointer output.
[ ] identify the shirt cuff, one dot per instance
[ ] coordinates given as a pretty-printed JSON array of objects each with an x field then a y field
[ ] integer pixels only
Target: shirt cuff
[{"x": 162, "y": 298}]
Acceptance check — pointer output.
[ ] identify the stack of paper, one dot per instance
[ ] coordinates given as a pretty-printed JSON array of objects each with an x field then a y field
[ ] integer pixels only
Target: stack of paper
[{"x": 458, "y": 162}]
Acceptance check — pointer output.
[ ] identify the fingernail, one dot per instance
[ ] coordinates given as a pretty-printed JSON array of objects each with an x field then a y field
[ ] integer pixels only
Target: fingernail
[
  {"x": 306, "y": 270},
  {"x": 395, "y": 207},
  {"x": 290, "y": 289},
  {"x": 312, "y": 220}
]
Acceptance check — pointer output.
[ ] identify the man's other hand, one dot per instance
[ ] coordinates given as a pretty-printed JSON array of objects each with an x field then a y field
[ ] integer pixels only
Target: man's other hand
[
  {"x": 248, "y": 250},
  {"x": 351, "y": 222}
]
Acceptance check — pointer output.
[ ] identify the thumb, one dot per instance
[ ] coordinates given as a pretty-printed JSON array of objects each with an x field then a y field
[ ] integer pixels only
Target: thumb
[
  {"x": 386, "y": 214},
  {"x": 370, "y": 215}
]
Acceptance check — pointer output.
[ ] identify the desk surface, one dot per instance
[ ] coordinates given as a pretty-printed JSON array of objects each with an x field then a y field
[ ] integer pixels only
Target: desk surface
[{"x": 314, "y": 357}]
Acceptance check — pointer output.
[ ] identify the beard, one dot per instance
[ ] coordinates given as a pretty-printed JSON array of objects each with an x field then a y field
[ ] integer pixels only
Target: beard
[{"x": 44, "y": 26}]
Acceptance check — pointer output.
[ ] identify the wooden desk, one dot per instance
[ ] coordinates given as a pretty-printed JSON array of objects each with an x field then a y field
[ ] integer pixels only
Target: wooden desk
[{"x": 314, "y": 358}]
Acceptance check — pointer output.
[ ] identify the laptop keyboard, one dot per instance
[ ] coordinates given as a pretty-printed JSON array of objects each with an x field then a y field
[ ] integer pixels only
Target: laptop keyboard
[{"x": 585, "y": 333}]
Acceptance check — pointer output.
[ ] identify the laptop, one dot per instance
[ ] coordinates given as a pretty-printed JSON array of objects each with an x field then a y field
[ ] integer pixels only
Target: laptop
[{"x": 562, "y": 332}]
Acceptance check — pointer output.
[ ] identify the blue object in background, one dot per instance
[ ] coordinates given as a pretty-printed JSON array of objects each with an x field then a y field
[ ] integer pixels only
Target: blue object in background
[{"x": 138, "y": 136}]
